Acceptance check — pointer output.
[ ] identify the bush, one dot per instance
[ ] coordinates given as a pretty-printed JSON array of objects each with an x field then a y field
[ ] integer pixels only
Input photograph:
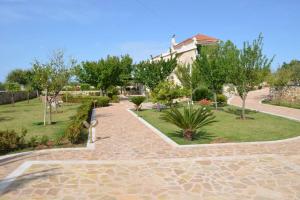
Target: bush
[
  {"x": 115, "y": 99},
  {"x": 100, "y": 101},
  {"x": 85, "y": 86},
  {"x": 11, "y": 140},
  {"x": 112, "y": 91},
  {"x": 33, "y": 141},
  {"x": 205, "y": 102},
  {"x": 44, "y": 140},
  {"x": 166, "y": 92},
  {"x": 137, "y": 100},
  {"x": 221, "y": 99},
  {"x": 202, "y": 93},
  {"x": 75, "y": 132}
]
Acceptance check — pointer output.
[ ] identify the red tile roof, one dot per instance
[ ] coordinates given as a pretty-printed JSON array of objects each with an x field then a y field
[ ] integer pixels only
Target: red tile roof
[{"x": 200, "y": 39}]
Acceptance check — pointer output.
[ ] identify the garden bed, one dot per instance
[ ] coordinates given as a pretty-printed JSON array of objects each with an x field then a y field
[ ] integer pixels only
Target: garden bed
[{"x": 230, "y": 128}]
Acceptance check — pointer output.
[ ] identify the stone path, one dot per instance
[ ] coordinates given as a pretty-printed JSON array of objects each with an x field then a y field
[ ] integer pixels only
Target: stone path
[
  {"x": 253, "y": 102},
  {"x": 131, "y": 162}
]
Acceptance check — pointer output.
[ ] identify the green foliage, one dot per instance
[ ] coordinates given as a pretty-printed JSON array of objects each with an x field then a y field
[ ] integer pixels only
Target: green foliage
[
  {"x": 44, "y": 140},
  {"x": 152, "y": 73},
  {"x": 112, "y": 91},
  {"x": 165, "y": 92},
  {"x": 19, "y": 76},
  {"x": 10, "y": 140},
  {"x": 190, "y": 120},
  {"x": 184, "y": 75},
  {"x": 104, "y": 73},
  {"x": 2, "y": 86},
  {"x": 85, "y": 86},
  {"x": 137, "y": 100},
  {"x": 222, "y": 99},
  {"x": 115, "y": 99},
  {"x": 288, "y": 73},
  {"x": 100, "y": 101},
  {"x": 33, "y": 141},
  {"x": 12, "y": 87},
  {"x": 202, "y": 93},
  {"x": 75, "y": 132}
]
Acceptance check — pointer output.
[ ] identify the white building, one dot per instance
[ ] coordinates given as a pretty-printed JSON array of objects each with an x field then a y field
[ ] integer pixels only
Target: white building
[{"x": 186, "y": 51}]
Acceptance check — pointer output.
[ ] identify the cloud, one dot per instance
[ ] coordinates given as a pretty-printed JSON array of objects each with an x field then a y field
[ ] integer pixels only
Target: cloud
[{"x": 141, "y": 50}]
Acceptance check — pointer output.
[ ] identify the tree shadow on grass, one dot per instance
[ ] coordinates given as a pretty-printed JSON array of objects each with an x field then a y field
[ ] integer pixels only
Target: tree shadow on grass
[
  {"x": 238, "y": 112},
  {"x": 6, "y": 119}
]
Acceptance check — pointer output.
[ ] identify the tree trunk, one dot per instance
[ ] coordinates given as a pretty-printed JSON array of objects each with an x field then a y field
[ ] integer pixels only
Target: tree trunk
[
  {"x": 244, "y": 96},
  {"x": 216, "y": 101},
  {"x": 188, "y": 134},
  {"x": 12, "y": 99},
  {"x": 28, "y": 97},
  {"x": 45, "y": 107},
  {"x": 50, "y": 113}
]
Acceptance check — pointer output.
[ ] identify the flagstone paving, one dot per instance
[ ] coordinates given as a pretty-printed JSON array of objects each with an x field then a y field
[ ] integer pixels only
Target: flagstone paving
[{"x": 131, "y": 162}]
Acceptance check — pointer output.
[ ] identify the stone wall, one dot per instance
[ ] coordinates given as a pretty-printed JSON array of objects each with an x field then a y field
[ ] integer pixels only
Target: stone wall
[
  {"x": 5, "y": 97},
  {"x": 288, "y": 93}
]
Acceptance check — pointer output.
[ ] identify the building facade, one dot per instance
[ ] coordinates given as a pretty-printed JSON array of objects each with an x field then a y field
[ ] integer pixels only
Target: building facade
[{"x": 186, "y": 51}]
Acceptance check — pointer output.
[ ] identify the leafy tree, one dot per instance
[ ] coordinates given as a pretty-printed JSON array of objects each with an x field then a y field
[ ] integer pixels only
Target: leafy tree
[
  {"x": 184, "y": 75},
  {"x": 250, "y": 68},
  {"x": 2, "y": 86},
  {"x": 151, "y": 73},
  {"x": 166, "y": 92},
  {"x": 19, "y": 76},
  {"x": 12, "y": 88},
  {"x": 294, "y": 68},
  {"x": 52, "y": 76},
  {"x": 214, "y": 62},
  {"x": 190, "y": 120},
  {"x": 104, "y": 73}
]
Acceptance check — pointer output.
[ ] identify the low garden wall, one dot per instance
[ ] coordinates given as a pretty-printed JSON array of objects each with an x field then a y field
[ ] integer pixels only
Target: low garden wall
[
  {"x": 5, "y": 97},
  {"x": 288, "y": 93}
]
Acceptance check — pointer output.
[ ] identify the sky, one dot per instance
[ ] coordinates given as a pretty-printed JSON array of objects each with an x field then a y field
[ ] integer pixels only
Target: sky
[{"x": 92, "y": 29}]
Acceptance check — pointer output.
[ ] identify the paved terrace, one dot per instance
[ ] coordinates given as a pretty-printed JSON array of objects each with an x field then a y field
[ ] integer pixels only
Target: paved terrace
[{"x": 130, "y": 161}]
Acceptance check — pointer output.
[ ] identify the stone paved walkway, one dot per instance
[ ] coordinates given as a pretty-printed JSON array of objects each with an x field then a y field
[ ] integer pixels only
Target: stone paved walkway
[
  {"x": 131, "y": 162},
  {"x": 253, "y": 102}
]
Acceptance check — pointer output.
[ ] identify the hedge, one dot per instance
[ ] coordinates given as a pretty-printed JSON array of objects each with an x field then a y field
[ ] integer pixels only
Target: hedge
[{"x": 100, "y": 101}]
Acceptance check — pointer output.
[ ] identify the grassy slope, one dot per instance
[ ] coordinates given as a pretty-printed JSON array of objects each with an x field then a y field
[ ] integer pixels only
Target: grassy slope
[
  {"x": 261, "y": 127},
  {"x": 282, "y": 103},
  {"x": 30, "y": 115}
]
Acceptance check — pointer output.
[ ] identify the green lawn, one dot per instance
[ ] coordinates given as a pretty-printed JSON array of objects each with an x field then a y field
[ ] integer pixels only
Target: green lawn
[
  {"x": 30, "y": 116},
  {"x": 228, "y": 128},
  {"x": 283, "y": 103}
]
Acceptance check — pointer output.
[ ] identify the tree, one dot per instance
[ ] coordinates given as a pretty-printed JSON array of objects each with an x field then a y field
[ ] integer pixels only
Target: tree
[
  {"x": 112, "y": 71},
  {"x": 52, "y": 76},
  {"x": 183, "y": 73},
  {"x": 2, "y": 86},
  {"x": 12, "y": 88},
  {"x": 294, "y": 68},
  {"x": 19, "y": 76},
  {"x": 249, "y": 71},
  {"x": 151, "y": 73},
  {"x": 213, "y": 63}
]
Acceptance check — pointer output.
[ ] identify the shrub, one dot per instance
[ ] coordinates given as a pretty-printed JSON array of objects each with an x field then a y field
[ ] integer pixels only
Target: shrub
[
  {"x": 44, "y": 140},
  {"x": 202, "y": 93},
  {"x": 115, "y": 99},
  {"x": 137, "y": 100},
  {"x": 75, "y": 132},
  {"x": 100, "y": 101},
  {"x": 112, "y": 91},
  {"x": 85, "y": 86},
  {"x": 11, "y": 140},
  {"x": 190, "y": 120},
  {"x": 166, "y": 92},
  {"x": 222, "y": 99},
  {"x": 33, "y": 141},
  {"x": 205, "y": 102}
]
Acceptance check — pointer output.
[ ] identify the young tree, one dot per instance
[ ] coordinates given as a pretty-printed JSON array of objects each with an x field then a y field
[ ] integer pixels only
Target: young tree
[
  {"x": 52, "y": 77},
  {"x": 183, "y": 73},
  {"x": 12, "y": 88},
  {"x": 151, "y": 73},
  {"x": 213, "y": 63},
  {"x": 248, "y": 72}
]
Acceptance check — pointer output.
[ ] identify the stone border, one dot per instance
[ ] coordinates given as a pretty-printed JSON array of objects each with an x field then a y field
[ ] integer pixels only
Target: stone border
[
  {"x": 174, "y": 144},
  {"x": 89, "y": 145},
  {"x": 8, "y": 180}
]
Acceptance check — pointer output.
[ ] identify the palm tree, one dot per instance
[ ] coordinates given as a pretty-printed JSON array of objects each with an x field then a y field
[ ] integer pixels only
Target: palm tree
[{"x": 190, "y": 120}]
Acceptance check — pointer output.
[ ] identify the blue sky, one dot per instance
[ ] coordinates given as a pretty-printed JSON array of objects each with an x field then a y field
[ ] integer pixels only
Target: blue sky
[{"x": 91, "y": 29}]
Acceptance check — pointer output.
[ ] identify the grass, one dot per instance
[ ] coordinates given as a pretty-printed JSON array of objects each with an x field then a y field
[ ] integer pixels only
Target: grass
[
  {"x": 282, "y": 103},
  {"x": 30, "y": 117},
  {"x": 229, "y": 128}
]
